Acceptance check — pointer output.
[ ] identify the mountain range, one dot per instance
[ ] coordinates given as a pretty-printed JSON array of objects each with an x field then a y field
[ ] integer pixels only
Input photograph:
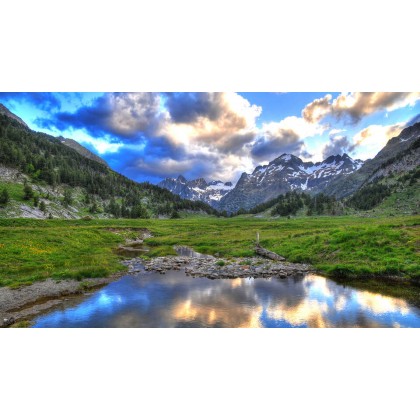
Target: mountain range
[
  {"x": 283, "y": 174},
  {"x": 338, "y": 176},
  {"x": 198, "y": 189},
  {"x": 53, "y": 164}
]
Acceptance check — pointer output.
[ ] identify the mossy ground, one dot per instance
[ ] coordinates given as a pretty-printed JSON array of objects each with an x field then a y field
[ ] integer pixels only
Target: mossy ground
[{"x": 32, "y": 250}]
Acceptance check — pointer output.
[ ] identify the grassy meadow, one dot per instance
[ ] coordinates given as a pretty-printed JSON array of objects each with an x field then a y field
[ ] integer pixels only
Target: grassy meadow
[{"x": 345, "y": 247}]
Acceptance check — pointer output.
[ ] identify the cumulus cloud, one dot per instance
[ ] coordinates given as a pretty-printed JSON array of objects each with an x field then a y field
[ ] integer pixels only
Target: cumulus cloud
[
  {"x": 197, "y": 129},
  {"x": 219, "y": 121},
  {"x": 161, "y": 162},
  {"x": 338, "y": 144},
  {"x": 119, "y": 114},
  {"x": 285, "y": 136},
  {"x": 189, "y": 107},
  {"x": 214, "y": 131},
  {"x": 375, "y": 137},
  {"x": 215, "y": 135},
  {"x": 356, "y": 105},
  {"x": 270, "y": 146},
  {"x": 317, "y": 109}
]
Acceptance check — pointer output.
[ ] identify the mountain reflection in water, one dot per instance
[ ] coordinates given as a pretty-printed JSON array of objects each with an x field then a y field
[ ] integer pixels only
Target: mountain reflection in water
[{"x": 176, "y": 300}]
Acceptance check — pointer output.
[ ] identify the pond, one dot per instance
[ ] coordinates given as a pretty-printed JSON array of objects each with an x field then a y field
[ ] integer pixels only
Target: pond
[{"x": 173, "y": 299}]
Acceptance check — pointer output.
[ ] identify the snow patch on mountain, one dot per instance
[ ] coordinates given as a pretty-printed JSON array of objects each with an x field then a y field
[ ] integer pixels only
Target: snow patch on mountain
[
  {"x": 286, "y": 173},
  {"x": 198, "y": 189}
]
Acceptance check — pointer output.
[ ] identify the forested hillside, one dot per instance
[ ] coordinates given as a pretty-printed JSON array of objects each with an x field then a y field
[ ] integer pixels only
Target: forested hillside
[{"x": 44, "y": 161}]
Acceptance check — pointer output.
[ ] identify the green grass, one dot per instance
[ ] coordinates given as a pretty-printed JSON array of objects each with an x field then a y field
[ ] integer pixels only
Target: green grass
[
  {"x": 15, "y": 190},
  {"x": 345, "y": 247},
  {"x": 22, "y": 324}
]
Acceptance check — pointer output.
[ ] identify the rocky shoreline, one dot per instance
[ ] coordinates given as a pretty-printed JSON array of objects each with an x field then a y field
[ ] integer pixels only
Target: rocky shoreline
[
  {"x": 219, "y": 268},
  {"x": 26, "y": 302}
]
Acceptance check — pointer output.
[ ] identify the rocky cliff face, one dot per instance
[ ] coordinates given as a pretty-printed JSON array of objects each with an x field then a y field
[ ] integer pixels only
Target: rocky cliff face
[
  {"x": 286, "y": 173},
  {"x": 198, "y": 189}
]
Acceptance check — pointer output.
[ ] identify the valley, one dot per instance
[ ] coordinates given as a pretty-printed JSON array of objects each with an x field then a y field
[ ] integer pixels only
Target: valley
[{"x": 70, "y": 225}]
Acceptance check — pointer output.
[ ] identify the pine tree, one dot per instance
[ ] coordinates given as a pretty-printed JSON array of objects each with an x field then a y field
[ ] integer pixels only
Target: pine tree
[
  {"x": 67, "y": 199},
  {"x": 27, "y": 192},
  {"x": 4, "y": 197},
  {"x": 175, "y": 215},
  {"x": 42, "y": 206}
]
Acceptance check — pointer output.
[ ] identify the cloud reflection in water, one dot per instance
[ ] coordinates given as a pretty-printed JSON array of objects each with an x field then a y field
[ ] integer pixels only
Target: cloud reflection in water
[{"x": 176, "y": 300}]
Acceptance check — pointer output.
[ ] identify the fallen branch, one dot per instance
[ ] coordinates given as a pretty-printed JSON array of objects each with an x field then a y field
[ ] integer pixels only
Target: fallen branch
[{"x": 268, "y": 254}]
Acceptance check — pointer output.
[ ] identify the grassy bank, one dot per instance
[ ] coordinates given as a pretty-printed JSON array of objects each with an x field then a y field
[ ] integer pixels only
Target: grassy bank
[{"x": 33, "y": 250}]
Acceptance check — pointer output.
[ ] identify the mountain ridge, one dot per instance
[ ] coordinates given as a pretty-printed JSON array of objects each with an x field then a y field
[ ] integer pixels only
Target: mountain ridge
[
  {"x": 73, "y": 144},
  {"x": 343, "y": 187},
  {"x": 285, "y": 173},
  {"x": 197, "y": 189},
  {"x": 36, "y": 167}
]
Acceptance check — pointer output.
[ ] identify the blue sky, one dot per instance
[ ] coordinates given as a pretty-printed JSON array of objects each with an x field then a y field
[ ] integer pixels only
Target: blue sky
[{"x": 150, "y": 136}]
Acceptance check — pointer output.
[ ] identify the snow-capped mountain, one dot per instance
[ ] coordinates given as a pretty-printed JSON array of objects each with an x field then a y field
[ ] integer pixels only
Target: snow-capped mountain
[
  {"x": 198, "y": 189},
  {"x": 286, "y": 173}
]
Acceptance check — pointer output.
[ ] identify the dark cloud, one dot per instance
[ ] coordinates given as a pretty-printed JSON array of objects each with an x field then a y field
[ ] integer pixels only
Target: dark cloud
[
  {"x": 235, "y": 143},
  {"x": 43, "y": 100},
  {"x": 188, "y": 107},
  {"x": 161, "y": 159},
  {"x": 337, "y": 145},
  {"x": 125, "y": 115},
  {"x": 270, "y": 146}
]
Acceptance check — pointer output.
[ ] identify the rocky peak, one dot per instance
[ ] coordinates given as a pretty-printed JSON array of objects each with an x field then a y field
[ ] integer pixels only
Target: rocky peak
[
  {"x": 181, "y": 179},
  {"x": 286, "y": 159},
  {"x": 198, "y": 183},
  {"x": 286, "y": 173},
  {"x": 197, "y": 189}
]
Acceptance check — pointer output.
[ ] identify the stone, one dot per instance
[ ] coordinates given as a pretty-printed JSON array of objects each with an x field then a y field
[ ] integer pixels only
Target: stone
[{"x": 8, "y": 321}]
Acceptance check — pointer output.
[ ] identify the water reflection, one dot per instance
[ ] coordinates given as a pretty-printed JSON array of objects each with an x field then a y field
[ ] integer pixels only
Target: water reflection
[{"x": 175, "y": 300}]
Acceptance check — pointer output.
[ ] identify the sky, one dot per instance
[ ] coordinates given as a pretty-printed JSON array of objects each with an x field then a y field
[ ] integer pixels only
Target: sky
[{"x": 150, "y": 136}]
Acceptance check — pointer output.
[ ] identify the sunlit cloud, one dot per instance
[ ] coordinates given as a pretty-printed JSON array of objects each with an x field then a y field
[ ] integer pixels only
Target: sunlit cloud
[
  {"x": 379, "y": 304},
  {"x": 375, "y": 137},
  {"x": 309, "y": 313},
  {"x": 220, "y": 135},
  {"x": 356, "y": 105}
]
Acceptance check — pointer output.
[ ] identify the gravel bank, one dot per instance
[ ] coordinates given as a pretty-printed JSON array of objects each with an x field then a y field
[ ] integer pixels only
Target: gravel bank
[{"x": 219, "y": 268}]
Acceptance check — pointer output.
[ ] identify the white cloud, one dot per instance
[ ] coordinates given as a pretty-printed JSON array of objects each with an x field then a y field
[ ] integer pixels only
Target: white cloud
[
  {"x": 285, "y": 136},
  {"x": 102, "y": 146},
  {"x": 133, "y": 112},
  {"x": 356, "y": 105},
  {"x": 374, "y": 137},
  {"x": 229, "y": 119}
]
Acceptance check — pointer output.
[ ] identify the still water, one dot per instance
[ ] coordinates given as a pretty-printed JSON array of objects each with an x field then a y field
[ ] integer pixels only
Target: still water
[{"x": 176, "y": 300}]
